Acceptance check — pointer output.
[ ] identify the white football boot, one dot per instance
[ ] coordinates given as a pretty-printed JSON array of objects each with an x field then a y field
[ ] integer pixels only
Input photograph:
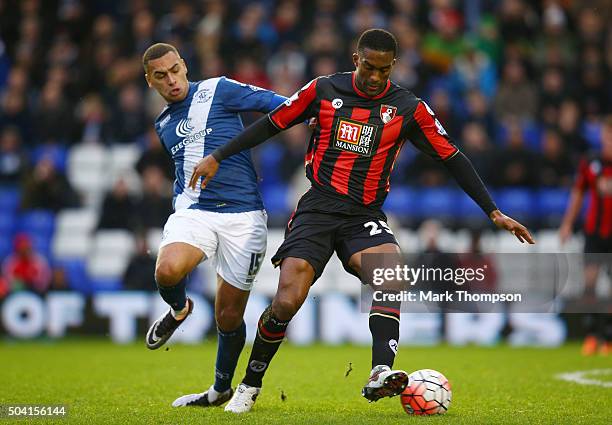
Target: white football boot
[
  {"x": 243, "y": 399},
  {"x": 208, "y": 398}
]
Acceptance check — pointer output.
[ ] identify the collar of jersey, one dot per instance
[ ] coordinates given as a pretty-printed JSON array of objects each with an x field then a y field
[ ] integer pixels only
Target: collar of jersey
[{"x": 362, "y": 94}]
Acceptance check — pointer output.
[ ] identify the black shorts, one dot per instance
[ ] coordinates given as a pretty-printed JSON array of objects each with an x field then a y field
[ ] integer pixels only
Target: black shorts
[
  {"x": 321, "y": 225},
  {"x": 594, "y": 245}
]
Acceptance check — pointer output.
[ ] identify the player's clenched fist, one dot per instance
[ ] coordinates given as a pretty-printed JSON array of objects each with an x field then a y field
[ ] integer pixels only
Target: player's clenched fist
[{"x": 207, "y": 168}]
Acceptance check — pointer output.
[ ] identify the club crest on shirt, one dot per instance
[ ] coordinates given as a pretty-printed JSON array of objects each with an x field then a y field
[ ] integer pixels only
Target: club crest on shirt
[
  {"x": 354, "y": 136},
  {"x": 387, "y": 113},
  {"x": 202, "y": 96}
]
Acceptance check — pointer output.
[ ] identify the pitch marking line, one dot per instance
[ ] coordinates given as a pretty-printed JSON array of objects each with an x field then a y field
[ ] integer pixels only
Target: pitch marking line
[{"x": 584, "y": 377}]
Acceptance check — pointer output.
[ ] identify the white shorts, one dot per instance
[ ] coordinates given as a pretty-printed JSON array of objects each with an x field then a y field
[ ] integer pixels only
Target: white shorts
[{"x": 238, "y": 240}]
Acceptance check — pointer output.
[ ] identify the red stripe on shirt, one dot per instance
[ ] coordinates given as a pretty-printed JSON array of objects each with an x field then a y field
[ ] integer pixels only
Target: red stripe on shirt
[
  {"x": 344, "y": 163},
  {"x": 293, "y": 107},
  {"x": 326, "y": 119},
  {"x": 427, "y": 124},
  {"x": 390, "y": 135}
]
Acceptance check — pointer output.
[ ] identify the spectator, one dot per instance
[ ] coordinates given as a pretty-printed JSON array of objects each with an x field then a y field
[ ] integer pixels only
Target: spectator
[
  {"x": 476, "y": 146},
  {"x": 556, "y": 168},
  {"x": 130, "y": 120},
  {"x": 139, "y": 273},
  {"x": 516, "y": 96},
  {"x": 153, "y": 209},
  {"x": 12, "y": 156},
  {"x": 47, "y": 188},
  {"x": 53, "y": 116},
  {"x": 26, "y": 269},
  {"x": 118, "y": 208},
  {"x": 515, "y": 165},
  {"x": 155, "y": 155}
]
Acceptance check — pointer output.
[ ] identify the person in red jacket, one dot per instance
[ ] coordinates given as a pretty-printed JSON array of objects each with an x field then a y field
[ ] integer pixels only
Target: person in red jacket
[{"x": 25, "y": 268}]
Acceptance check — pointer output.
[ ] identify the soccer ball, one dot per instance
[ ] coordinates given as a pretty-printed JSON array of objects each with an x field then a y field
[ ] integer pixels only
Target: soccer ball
[{"x": 428, "y": 393}]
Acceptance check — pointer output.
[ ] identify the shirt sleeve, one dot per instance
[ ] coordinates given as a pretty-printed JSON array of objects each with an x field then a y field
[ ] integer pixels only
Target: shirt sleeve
[
  {"x": 240, "y": 97},
  {"x": 297, "y": 108},
  {"x": 582, "y": 177},
  {"x": 426, "y": 133}
]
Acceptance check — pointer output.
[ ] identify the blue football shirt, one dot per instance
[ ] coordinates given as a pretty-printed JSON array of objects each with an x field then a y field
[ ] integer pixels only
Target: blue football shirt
[{"x": 206, "y": 119}]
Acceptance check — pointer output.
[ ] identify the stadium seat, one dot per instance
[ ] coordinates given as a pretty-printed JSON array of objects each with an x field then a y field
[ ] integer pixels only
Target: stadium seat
[
  {"x": 518, "y": 203},
  {"x": 438, "y": 203},
  {"x": 275, "y": 199},
  {"x": 106, "y": 284},
  {"x": 88, "y": 171},
  {"x": 6, "y": 247},
  {"x": 467, "y": 209},
  {"x": 10, "y": 198},
  {"x": 58, "y": 154},
  {"x": 76, "y": 275},
  {"x": 37, "y": 222},
  {"x": 8, "y": 222},
  {"x": 154, "y": 237},
  {"x": 552, "y": 204},
  {"x": 401, "y": 201},
  {"x": 269, "y": 157},
  {"x": 77, "y": 220},
  {"x": 107, "y": 266},
  {"x": 66, "y": 245}
]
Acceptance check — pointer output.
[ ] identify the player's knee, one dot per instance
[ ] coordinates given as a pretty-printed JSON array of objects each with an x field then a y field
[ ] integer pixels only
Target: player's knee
[
  {"x": 284, "y": 307},
  {"x": 228, "y": 318},
  {"x": 167, "y": 273}
]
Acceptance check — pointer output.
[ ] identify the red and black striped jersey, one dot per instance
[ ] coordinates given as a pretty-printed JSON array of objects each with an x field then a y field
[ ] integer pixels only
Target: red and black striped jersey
[
  {"x": 358, "y": 138},
  {"x": 595, "y": 177}
]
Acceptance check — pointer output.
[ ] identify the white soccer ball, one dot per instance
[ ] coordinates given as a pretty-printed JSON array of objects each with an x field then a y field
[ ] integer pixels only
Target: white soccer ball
[{"x": 428, "y": 393}]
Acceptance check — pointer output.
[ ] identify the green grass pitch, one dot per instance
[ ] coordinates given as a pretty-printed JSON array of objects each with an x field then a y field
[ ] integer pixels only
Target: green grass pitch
[{"x": 105, "y": 383}]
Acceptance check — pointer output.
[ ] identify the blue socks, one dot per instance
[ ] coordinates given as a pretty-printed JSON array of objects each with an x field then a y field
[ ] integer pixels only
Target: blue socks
[
  {"x": 175, "y": 296},
  {"x": 230, "y": 345}
]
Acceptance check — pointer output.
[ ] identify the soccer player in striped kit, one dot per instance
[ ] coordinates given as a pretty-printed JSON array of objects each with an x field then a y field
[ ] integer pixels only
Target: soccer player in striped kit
[
  {"x": 594, "y": 178},
  {"x": 363, "y": 119}
]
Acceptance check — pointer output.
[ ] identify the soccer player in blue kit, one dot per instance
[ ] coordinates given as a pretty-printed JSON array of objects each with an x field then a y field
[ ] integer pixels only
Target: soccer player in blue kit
[{"x": 227, "y": 220}]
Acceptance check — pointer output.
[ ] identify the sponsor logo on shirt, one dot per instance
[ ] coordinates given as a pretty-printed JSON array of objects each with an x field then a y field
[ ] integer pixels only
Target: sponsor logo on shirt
[
  {"x": 184, "y": 127},
  {"x": 354, "y": 136},
  {"x": 190, "y": 139}
]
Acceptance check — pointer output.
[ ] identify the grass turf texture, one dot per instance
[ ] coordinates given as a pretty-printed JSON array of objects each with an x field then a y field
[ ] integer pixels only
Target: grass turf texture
[{"x": 106, "y": 383}]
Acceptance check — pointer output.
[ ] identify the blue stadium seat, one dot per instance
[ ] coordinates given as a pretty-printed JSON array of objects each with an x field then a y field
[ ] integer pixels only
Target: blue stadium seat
[
  {"x": 275, "y": 199},
  {"x": 37, "y": 222},
  {"x": 58, "y": 154},
  {"x": 6, "y": 247},
  {"x": 9, "y": 199},
  {"x": 41, "y": 243},
  {"x": 401, "y": 201},
  {"x": 438, "y": 203},
  {"x": 518, "y": 203},
  {"x": 76, "y": 274},
  {"x": 8, "y": 223},
  {"x": 468, "y": 209},
  {"x": 552, "y": 202},
  {"x": 270, "y": 156},
  {"x": 106, "y": 284}
]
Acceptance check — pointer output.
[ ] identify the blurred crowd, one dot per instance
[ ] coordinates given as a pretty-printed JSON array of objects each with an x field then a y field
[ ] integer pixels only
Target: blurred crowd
[{"x": 521, "y": 86}]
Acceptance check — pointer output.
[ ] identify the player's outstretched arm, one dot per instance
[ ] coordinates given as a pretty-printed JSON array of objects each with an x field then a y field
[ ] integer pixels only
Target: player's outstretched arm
[
  {"x": 573, "y": 209},
  {"x": 255, "y": 134}
]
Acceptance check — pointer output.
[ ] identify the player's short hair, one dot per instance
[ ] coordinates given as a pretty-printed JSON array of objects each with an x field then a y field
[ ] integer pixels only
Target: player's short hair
[
  {"x": 379, "y": 40},
  {"x": 156, "y": 51}
]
